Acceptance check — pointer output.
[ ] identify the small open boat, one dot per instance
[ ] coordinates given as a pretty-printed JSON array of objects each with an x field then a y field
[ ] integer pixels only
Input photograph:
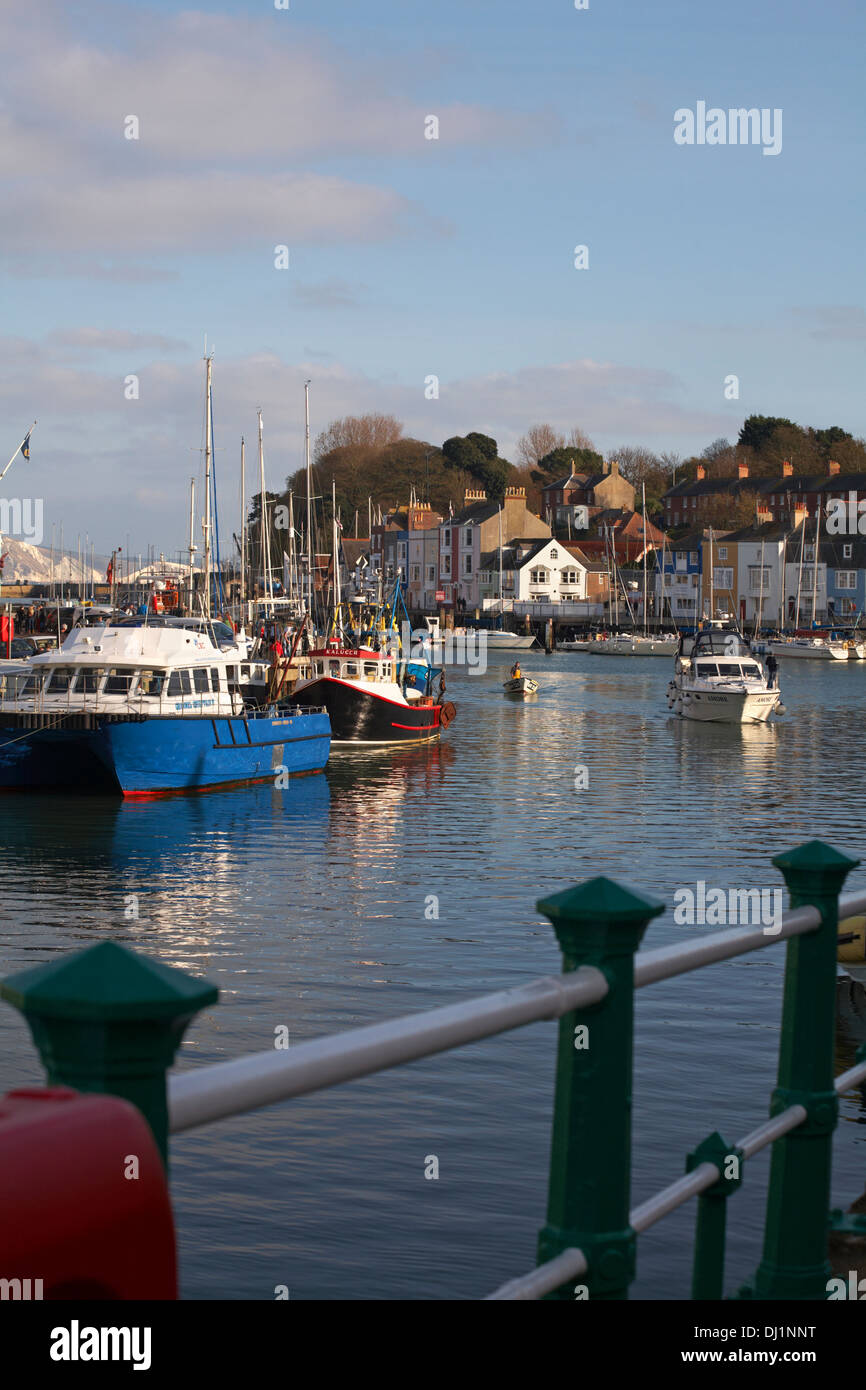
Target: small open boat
[{"x": 520, "y": 685}]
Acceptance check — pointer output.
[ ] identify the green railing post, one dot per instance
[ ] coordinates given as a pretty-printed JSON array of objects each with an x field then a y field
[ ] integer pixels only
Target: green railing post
[
  {"x": 108, "y": 1020},
  {"x": 794, "y": 1263},
  {"x": 708, "y": 1267},
  {"x": 599, "y": 924}
]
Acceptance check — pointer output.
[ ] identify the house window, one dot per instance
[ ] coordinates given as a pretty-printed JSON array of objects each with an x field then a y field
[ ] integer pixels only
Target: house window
[
  {"x": 723, "y": 552},
  {"x": 467, "y": 535},
  {"x": 723, "y": 578},
  {"x": 538, "y": 576},
  {"x": 569, "y": 577},
  {"x": 759, "y": 578},
  {"x": 847, "y": 552},
  {"x": 416, "y": 572},
  {"x": 467, "y": 564},
  {"x": 846, "y": 579},
  {"x": 431, "y": 574},
  {"x": 446, "y": 564},
  {"x": 693, "y": 557},
  {"x": 554, "y": 554}
]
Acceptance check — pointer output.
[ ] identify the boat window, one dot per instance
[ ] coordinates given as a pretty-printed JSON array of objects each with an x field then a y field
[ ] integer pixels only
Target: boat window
[
  {"x": 151, "y": 682},
  {"x": 320, "y": 668},
  {"x": 215, "y": 677},
  {"x": 728, "y": 668},
  {"x": 333, "y": 668},
  {"x": 31, "y": 685},
  {"x": 119, "y": 680},
  {"x": 754, "y": 671},
  {"x": 89, "y": 678},
  {"x": 370, "y": 668},
  {"x": 200, "y": 680},
  {"x": 60, "y": 678},
  {"x": 708, "y": 668},
  {"x": 179, "y": 683},
  {"x": 350, "y": 668},
  {"x": 231, "y": 674},
  {"x": 245, "y": 673}
]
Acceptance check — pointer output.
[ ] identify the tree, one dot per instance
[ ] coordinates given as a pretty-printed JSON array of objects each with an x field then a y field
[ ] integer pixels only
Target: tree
[
  {"x": 758, "y": 430},
  {"x": 566, "y": 460},
  {"x": 717, "y": 449},
  {"x": 358, "y": 431},
  {"x": 478, "y": 455},
  {"x": 577, "y": 439},
  {"x": 538, "y": 441}
]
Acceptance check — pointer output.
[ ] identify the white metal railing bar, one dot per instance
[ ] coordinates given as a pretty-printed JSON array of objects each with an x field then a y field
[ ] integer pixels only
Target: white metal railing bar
[
  {"x": 544, "y": 1279},
  {"x": 211, "y": 1093},
  {"x": 671, "y": 1197},
  {"x": 665, "y": 962},
  {"x": 852, "y": 905},
  {"x": 262, "y": 1078}
]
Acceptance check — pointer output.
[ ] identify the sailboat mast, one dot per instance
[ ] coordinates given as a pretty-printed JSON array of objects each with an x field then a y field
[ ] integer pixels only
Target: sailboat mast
[
  {"x": 243, "y": 522},
  {"x": 643, "y": 500},
  {"x": 761, "y": 593},
  {"x": 309, "y": 499},
  {"x": 814, "y": 567},
  {"x": 336, "y": 558},
  {"x": 800, "y": 573},
  {"x": 712, "y": 577},
  {"x": 266, "y": 530},
  {"x": 292, "y": 559},
  {"x": 207, "y": 486},
  {"x": 191, "y": 580},
  {"x": 501, "y": 596}
]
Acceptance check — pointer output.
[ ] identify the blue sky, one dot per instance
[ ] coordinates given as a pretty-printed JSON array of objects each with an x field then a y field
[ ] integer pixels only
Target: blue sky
[{"x": 411, "y": 257}]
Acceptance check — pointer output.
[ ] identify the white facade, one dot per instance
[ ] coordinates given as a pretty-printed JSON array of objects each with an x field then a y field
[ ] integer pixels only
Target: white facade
[
  {"x": 551, "y": 575},
  {"x": 759, "y": 582}
]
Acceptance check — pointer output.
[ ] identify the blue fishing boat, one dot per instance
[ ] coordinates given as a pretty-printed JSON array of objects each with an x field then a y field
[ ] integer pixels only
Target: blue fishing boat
[{"x": 146, "y": 707}]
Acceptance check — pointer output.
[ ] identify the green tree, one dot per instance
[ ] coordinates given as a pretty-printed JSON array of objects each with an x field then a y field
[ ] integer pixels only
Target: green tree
[
  {"x": 560, "y": 462},
  {"x": 478, "y": 455}
]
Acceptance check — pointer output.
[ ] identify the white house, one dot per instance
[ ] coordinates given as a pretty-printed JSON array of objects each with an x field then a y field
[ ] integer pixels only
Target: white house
[{"x": 533, "y": 571}]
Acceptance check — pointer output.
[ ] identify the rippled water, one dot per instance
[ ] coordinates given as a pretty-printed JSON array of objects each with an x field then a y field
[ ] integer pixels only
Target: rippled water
[{"x": 307, "y": 908}]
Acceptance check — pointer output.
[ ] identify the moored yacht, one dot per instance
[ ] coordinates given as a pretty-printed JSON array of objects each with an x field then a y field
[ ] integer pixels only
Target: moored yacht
[{"x": 721, "y": 681}]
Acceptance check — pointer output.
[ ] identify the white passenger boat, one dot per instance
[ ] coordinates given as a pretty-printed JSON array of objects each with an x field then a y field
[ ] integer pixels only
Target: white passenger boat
[{"x": 722, "y": 682}]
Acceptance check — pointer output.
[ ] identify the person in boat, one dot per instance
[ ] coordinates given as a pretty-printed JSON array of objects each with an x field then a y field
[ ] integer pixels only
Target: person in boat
[
  {"x": 515, "y": 671},
  {"x": 772, "y": 668}
]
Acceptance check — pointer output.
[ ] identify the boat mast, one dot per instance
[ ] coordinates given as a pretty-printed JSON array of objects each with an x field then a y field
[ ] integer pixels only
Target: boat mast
[
  {"x": 761, "y": 593},
  {"x": 207, "y": 485},
  {"x": 643, "y": 497},
  {"x": 814, "y": 568},
  {"x": 292, "y": 556},
  {"x": 265, "y": 528},
  {"x": 243, "y": 522},
  {"x": 501, "y": 595},
  {"x": 309, "y": 499},
  {"x": 800, "y": 573},
  {"x": 191, "y": 540},
  {"x": 712, "y": 595}
]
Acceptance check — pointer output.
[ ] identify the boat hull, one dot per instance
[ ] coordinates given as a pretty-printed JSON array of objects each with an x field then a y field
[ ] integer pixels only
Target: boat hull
[
  {"x": 506, "y": 641},
  {"x": 159, "y": 756},
  {"x": 521, "y": 685},
  {"x": 725, "y": 706},
  {"x": 362, "y": 716}
]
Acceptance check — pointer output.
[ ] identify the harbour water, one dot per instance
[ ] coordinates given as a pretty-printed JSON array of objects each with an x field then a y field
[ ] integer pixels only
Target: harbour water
[{"x": 401, "y": 880}]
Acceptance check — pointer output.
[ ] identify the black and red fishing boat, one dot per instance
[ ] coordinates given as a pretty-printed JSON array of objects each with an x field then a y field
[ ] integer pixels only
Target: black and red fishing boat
[{"x": 369, "y": 696}]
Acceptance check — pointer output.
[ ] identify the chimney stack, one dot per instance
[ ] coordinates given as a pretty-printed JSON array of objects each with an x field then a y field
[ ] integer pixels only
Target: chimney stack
[
  {"x": 787, "y": 469},
  {"x": 743, "y": 470},
  {"x": 834, "y": 469},
  {"x": 515, "y": 492},
  {"x": 701, "y": 473}
]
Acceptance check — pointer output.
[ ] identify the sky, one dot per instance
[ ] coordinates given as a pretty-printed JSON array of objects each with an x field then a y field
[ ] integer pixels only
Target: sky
[{"x": 412, "y": 258}]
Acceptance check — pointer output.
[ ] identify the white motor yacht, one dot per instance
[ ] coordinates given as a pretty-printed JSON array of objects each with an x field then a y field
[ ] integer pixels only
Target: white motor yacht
[{"x": 721, "y": 681}]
